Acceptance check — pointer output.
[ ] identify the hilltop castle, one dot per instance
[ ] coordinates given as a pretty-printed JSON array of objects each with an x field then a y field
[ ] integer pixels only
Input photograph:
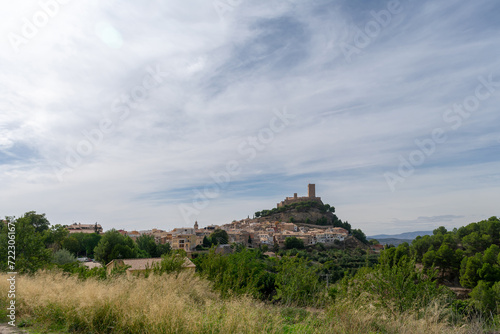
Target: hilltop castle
[{"x": 311, "y": 196}]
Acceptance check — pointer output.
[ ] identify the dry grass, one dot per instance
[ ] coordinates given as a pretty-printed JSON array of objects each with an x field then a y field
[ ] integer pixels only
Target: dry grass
[{"x": 187, "y": 304}]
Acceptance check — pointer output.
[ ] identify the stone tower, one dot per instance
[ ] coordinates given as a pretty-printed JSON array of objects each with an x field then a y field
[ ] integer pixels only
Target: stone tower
[
  {"x": 311, "y": 190},
  {"x": 196, "y": 225}
]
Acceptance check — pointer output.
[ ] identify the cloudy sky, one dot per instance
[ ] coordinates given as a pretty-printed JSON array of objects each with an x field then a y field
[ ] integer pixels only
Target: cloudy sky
[{"x": 158, "y": 113}]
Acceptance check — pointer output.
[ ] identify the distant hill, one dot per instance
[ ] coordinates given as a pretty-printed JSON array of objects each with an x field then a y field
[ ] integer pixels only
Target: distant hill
[
  {"x": 407, "y": 235},
  {"x": 393, "y": 241}
]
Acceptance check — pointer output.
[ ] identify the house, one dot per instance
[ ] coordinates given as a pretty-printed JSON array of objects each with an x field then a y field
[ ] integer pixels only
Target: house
[
  {"x": 84, "y": 228},
  {"x": 138, "y": 266},
  {"x": 377, "y": 248},
  {"x": 223, "y": 249}
]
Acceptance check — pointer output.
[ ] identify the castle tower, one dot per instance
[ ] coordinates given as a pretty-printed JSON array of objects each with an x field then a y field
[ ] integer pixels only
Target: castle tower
[
  {"x": 196, "y": 225},
  {"x": 311, "y": 190}
]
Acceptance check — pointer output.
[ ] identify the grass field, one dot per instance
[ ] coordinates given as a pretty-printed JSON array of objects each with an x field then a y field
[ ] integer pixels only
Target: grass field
[{"x": 187, "y": 304}]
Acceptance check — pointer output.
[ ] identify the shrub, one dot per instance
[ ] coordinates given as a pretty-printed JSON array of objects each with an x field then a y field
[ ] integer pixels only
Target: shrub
[{"x": 63, "y": 256}]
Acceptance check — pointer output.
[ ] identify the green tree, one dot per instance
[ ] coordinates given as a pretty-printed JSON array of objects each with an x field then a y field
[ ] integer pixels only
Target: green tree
[
  {"x": 90, "y": 242},
  {"x": 429, "y": 258},
  {"x": 294, "y": 243},
  {"x": 491, "y": 254},
  {"x": 207, "y": 243},
  {"x": 53, "y": 237},
  {"x": 440, "y": 230},
  {"x": 114, "y": 245},
  {"x": 297, "y": 283},
  {"x": 219, "y": 237},
  {"x": 38, "y": 221},
  {"x": 484, "y": 298},
  {"x": 170, "y": 263},
  {"x": 72, "y": 244},
  {"x": 147, "y": 244},
  {"x": 358, "y": 234},
  {"x": 30, "y": 252},
  {"x": 469, "y": 271}
]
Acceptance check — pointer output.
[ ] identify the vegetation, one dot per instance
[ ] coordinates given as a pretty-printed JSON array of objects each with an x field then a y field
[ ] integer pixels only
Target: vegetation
[
  {"x": 300, "y": 290},
  {"x": 469, "y": 256},
  {"x": 306, "y": 206}
]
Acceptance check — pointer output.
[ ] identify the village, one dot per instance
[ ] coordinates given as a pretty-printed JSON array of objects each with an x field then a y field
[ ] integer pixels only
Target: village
[{"x": 246, "y": 232}]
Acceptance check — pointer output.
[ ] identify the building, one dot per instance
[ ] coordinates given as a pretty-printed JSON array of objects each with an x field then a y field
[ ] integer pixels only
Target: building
[
  {"x": 84, "y": 228},
  {"x": 311, "y": 196},
  {"x": 139, "y": 266}
]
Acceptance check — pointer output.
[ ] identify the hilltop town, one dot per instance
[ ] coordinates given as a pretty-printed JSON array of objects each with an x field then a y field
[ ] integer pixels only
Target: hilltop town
[{"x": 271, "y": 230}]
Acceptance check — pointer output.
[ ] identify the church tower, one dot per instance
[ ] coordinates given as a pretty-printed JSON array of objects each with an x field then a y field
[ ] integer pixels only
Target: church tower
[{"x": 196, "y": 225}]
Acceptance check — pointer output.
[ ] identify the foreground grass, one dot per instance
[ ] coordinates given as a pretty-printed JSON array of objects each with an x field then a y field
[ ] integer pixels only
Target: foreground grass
[{"x": 187, "y": 304}]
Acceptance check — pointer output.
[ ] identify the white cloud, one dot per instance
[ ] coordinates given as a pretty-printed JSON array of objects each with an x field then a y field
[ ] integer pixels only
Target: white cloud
[{"x": 225, "y": 78}]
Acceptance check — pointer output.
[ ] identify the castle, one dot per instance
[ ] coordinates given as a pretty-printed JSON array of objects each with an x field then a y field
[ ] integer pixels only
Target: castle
[{"x": 311, "y": 196}]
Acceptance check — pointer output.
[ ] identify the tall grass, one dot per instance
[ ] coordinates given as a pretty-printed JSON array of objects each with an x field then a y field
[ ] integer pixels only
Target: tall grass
[{"x": 187, "y": 304}]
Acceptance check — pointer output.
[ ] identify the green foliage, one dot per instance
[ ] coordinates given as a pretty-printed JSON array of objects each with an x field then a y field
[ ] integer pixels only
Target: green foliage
[
  {"x": 54, "y": 236},
  {"x": 30, "y": 252},
  {"x": 486, "y": 298},
  {"x": 170, "y": 263},
  {"x": 63, "y": 256},
  {"x": 358, "y": 234},
  {"x": 297, "y": 283},
  {"x": 114, "y": 245},
  {"x": 397, "y": 288},
  {"x": 207, "y": 243},
  {"x": 38, "y": 221},
  {"x": 72, "y": 244},
  {"x": 468, "y": 254},
  {"x": 294, "y": 243},
  {"x": 244, "y": 272},
  {"x": 147, "y": 244},
  {"x": 393, "y": 255},
  {"x": 219, "y": 237}
]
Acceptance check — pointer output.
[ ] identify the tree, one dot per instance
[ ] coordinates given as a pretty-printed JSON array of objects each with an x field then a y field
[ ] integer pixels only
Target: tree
[
  {"x": 114, "y": 245},
  {"x": 440, "y": 230},
  {"x": 219, "y": 237},
  {"x": 207, "y": 243},
  {"x": 54, "y": 236},
  {"x": 358, "y": 234},
  {"x": 484, "y": 297},
  {"x": 71, "y": 244},
  {"x": 147, "y": 243},
  {"x": 30, "y": 251},
  {"x": 38, "y": 221},
  {"x": 294, "y": 243},
  {"x": 90, "y": 242},
  {"x": 429, "y": 258},
  {"x": 469, "y": 271},
  {"x": 170, "y": 263}
]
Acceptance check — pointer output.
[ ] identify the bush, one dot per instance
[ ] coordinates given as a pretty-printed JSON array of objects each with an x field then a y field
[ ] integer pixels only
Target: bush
[
  {"x": 63, "y": 256},
  {"x": 397, "y": 288}
]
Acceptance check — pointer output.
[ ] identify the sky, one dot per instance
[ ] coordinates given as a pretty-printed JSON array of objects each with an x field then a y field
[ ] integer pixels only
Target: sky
[{"x": 157, "y": 114}]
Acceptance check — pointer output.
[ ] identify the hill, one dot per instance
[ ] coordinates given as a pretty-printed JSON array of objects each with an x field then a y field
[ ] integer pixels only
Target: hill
[
  {"x": 393, "y": 241},
  {"x": 306, "y": 212},
  {"x": 407, "y": 235}
]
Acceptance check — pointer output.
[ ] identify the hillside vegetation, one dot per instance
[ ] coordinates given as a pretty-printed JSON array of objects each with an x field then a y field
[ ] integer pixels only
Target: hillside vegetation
[
  {"x": 299, "y": 289},
  {"x": 186, "y": 303}
]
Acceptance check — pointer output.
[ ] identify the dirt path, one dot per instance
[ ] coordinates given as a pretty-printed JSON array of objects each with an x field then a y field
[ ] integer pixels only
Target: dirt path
[{"x": 8, "y": 329}]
